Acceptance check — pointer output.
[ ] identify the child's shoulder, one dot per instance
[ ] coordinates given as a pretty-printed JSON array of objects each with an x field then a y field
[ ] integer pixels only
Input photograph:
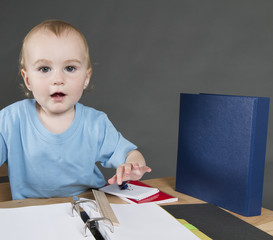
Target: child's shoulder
[
  {"x": 92, "y": 114},
  {"x": 90, "y": 111},
  {"x": 15, "y": 112},
  {"x": 17, "y": 106}
]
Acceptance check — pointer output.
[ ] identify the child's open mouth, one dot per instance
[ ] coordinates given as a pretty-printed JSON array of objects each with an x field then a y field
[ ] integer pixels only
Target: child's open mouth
[{"x": 57, "y": 96}]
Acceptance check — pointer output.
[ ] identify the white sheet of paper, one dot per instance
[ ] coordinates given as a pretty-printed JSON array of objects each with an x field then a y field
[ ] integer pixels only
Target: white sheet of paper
[
  {"x": 147, "y": 221},
  {"x": 54, "y": 222},
  {"x": 143, "y": 221}
]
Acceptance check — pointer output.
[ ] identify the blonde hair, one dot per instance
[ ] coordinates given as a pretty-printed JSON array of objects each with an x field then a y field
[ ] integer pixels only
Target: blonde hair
[{"x": 57, "y": 27}]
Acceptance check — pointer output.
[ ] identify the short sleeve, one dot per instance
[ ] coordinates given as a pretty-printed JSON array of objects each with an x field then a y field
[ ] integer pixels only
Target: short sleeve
[{"x": 114, "y": 148}]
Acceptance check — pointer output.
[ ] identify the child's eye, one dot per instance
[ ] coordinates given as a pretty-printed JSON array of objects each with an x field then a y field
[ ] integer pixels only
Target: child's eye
[
  {"x": 44, "y": 69},
  {"x": 70, "y": 68}
]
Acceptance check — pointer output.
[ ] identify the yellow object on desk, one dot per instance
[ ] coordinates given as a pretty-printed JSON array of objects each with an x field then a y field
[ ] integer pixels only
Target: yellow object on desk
[{"x": 194, "y": 230}]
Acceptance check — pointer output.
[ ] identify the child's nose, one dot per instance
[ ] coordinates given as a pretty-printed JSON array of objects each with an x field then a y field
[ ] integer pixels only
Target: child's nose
[{"x": 58, "y": 78}]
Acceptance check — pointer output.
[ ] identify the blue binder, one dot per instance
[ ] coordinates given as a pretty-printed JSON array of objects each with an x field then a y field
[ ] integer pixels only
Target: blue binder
[{"x": 221, "y": 150}]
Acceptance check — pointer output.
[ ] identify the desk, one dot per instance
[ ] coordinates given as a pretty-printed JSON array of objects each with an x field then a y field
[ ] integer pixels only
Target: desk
[{"x": 167, "y": 184}]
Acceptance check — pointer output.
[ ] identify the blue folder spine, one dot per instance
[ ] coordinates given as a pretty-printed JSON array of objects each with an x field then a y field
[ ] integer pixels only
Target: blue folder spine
[{"x": 258, "y": 154}]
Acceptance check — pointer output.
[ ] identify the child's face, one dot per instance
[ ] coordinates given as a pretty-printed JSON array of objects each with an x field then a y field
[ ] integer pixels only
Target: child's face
[{"x": 56, "y": 70}]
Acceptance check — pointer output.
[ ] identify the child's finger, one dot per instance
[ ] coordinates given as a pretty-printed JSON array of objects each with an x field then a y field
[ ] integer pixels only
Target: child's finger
[
  {"x": 128, "y": 169},
  {"x": 147, "y": 169},
  {"x": 120, "y": 173},
  {"x": 135, "y": 165},
  {"x": 113, "y": 179}
]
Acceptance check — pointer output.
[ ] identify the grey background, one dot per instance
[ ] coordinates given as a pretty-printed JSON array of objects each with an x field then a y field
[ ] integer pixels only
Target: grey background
[{"x": 146, "y": 52}]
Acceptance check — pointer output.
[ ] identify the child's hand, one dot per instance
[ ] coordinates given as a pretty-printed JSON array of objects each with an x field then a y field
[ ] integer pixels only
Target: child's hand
[{"x": 129, "y": 171}]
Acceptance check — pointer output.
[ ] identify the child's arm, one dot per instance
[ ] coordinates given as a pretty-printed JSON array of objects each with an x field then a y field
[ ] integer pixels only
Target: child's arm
[{"x": 133, "y": 169}]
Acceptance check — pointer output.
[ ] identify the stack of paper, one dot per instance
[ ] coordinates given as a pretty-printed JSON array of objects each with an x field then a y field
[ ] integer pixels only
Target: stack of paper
[
  {"x": 159, "y": 198},
  {"x": 133, "y": 191}
]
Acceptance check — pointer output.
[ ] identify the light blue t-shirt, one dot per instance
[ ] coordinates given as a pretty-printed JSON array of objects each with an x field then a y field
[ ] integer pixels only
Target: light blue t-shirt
[{"x": 43, "y": 164}]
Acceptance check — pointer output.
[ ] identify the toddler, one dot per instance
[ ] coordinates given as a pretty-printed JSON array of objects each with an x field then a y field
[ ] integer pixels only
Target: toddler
[{"x": 51, "y": 142}]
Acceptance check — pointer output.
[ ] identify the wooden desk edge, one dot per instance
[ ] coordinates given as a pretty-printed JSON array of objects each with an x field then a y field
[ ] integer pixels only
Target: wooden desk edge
[{"x": 166, "y": 184}]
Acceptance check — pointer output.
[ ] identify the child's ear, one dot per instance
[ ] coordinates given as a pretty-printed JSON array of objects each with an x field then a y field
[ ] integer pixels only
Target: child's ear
[
  {"x": 88, "y": 76},
  {"x": 25, "y": 77}
]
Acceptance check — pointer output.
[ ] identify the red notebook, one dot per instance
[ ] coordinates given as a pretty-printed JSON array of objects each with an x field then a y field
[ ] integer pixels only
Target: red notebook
[{"x": 158, "y": 198}]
